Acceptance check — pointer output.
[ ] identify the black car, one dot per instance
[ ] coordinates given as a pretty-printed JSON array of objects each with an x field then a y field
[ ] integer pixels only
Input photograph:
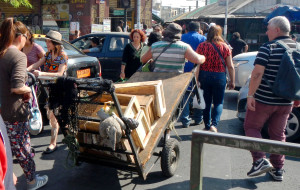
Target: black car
[
  {"x": 79, "y": 65},
  {"x": 111, "y": 46}
]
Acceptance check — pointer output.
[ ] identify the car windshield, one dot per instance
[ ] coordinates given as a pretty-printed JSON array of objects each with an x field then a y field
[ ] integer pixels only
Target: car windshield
[{"x": 68, "y": 48}]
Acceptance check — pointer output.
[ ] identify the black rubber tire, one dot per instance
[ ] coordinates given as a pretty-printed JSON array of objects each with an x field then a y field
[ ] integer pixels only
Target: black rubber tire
[{"x": 170, "y": 157}]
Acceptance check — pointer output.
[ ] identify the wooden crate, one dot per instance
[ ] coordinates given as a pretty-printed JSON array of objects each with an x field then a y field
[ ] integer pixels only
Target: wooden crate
[
  {"x": 147, "y": 104},
  {"x": 146, "y": 88},
  {"x": 142, "y": 133}
]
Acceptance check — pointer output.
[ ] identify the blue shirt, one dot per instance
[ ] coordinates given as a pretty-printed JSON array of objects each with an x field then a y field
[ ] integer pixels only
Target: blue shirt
[{"x": 194, "y": 39}]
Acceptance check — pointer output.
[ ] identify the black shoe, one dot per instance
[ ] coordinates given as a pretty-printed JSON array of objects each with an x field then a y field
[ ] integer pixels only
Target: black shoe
[
  {"x": 49, "y": 151},
  {"x": 277, "y": 174},
  {"x": 198, "y": 123},
  {"x": 259, "y": 167}
]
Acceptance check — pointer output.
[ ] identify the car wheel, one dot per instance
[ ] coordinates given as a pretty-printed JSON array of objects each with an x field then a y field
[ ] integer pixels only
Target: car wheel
[{"x": 292, "y": 130}]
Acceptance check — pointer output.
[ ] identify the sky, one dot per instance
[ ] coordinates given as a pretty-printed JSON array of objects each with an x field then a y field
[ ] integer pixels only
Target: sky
[{"x": 182, "y": 3}]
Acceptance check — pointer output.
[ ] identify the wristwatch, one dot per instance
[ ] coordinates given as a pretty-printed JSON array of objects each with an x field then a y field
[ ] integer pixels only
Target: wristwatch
[{"x": 250, "y": 96}]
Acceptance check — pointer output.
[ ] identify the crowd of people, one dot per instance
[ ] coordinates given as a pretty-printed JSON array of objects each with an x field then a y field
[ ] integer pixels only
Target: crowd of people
[{"x": 169, "y": 50}]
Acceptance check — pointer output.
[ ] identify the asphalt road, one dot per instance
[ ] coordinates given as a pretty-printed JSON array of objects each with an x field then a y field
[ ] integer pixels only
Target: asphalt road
[{"x": 224, "y": 168}]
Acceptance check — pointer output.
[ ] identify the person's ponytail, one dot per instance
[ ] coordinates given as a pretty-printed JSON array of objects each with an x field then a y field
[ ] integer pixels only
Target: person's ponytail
[{"x": 7, "y": 35}]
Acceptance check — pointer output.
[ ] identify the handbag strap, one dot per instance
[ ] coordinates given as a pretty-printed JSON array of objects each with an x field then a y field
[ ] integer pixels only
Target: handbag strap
[
  {"x": 222, "y": 59},
  {"x": 165, "y": 48}
]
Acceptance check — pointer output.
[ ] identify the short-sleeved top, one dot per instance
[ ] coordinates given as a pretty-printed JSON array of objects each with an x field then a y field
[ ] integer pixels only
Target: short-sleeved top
[
  {"x": 52, "y": 66},
  {"x": 194, "y": 39},
  {"x": 13, "y": 74},
  {"x": 237, "y": 46},
  {"x": 173, "y": 59},
  {"x": 213, "y": 62},
  {"x": 33, "y": 55},
  {"x": 269, "y": 55}
]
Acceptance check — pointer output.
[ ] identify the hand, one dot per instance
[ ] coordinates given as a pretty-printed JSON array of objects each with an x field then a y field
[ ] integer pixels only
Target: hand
[
  {"x": 251, "y": 103},
  {"x": 27, "y": 96},
  {"x": 36, "y": 73},
  {"x": 231, "y": 85},
  {"x": 122, "y": 75},
  {"x": 296, "y": 103}
]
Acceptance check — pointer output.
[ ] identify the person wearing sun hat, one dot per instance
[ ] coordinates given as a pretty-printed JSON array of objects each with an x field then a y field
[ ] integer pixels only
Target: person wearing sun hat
[{"x": 54, "y": 65}]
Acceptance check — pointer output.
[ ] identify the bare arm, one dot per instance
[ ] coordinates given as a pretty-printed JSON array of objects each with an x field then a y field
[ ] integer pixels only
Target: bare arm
[
  {"x": 37, "y": 64},
  {"x": 122, "y": 74},
  {"x": 147, "y": 56},
  {"x": 255, "y": 80},
  {"x": 246, "y": 48},
  {"x": 194, "y": 57},
  {"x": 231, "y": 72},
  {"x": 22, "y": 90},
  {"x": 86, "y": 50}
]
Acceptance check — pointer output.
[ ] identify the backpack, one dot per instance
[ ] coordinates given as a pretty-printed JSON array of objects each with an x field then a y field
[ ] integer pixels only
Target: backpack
[{"x": 287, "y": 82}]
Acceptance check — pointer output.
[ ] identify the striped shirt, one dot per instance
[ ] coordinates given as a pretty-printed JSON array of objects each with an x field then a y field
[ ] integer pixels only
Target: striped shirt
[
  {"x": 269, "y": 56},
  {"x": 172, "y": 60}
]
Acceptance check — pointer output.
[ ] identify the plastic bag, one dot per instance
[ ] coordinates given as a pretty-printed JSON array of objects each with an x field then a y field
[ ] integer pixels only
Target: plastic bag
[
  {"x": 201, "y": 103},
  {"x": 36, "y": 122}
]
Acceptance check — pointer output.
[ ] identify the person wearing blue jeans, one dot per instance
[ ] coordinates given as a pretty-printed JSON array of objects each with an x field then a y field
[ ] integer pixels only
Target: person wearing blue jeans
[
  {"x": 185, "y": 115},
  {"x": 213, "y": 85},
  {"x": 193, "y": 38},
  {"x": 212, "y": 75}
]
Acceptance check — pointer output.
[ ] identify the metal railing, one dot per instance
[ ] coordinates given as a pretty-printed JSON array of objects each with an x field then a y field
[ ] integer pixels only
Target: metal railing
[{"x": 234, "y": 141}]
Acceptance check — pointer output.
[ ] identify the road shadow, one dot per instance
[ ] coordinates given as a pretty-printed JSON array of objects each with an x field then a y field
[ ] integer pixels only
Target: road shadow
[{"x": 225, "y": 184}]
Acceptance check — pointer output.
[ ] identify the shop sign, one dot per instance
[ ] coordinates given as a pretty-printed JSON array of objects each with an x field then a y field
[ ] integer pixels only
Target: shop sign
[
  {"x": 96, "y": 28},
  {"x": 65, "y": 33},
  {"x": 118, "y": 12},
  {"x": 56, "y": 12},
  {"x": 106, "y": 25}
]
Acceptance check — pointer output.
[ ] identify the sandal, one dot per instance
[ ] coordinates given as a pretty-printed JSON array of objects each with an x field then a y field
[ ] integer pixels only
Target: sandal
[{"x": 49, "y": 150}]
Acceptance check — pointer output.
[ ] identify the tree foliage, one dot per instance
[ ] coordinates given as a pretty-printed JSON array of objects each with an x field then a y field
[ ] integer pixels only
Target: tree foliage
[{"x": 18, "y": 3}]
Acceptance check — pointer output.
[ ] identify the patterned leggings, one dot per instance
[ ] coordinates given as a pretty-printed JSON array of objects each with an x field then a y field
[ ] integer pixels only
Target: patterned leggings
[{"x": 18, "y": 134}]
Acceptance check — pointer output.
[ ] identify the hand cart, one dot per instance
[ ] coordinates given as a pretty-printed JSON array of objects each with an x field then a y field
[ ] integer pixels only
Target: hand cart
[{"x": 174, "y": 85}]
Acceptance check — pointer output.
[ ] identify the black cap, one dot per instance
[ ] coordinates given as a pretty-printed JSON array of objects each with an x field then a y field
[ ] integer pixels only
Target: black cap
[{"x": 194, "y": 26}]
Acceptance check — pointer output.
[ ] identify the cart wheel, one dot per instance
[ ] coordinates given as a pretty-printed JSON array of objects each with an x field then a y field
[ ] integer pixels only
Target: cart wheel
[{"x": 170, "y": 157}]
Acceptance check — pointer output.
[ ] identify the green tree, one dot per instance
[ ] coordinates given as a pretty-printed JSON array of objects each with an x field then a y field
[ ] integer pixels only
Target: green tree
[{"x": 18, "y": 3}]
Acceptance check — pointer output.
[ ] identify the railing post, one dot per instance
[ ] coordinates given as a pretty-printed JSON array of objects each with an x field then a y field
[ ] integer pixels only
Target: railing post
[{"x": 196, "y": 181}]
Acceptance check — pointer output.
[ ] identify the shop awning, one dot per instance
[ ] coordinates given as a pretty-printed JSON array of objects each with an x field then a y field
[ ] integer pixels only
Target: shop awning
[{"x": 157, "y": 19}]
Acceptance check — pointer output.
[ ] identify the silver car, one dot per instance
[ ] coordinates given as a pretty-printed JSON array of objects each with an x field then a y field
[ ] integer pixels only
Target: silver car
[
  {"x": 243, "y": 65},
  {"x": 292, "y": 130}
]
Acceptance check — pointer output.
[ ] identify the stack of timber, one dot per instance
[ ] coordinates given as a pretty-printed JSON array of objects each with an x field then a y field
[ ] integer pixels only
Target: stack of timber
[{"x": 143, "y": 101}]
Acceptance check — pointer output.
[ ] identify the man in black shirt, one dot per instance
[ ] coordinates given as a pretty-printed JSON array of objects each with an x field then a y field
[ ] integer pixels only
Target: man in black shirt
[{"x": 238, "y": 45}]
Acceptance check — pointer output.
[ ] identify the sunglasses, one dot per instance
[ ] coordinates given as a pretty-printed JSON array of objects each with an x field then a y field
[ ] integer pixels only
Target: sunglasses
[{"x": 18, "y": 34}]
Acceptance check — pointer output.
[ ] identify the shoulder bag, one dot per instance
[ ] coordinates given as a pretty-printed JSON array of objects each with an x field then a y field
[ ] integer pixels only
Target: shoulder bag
[{"x": 149, "y": 66}]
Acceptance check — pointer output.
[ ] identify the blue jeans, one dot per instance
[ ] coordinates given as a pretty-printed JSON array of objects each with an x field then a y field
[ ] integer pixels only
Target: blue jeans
[
  {"x": 213, "y": 85},
  {"x": 185, "y": 115}
]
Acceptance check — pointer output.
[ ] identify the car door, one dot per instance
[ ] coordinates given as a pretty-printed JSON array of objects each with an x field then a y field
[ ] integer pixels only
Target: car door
[{"x": 111, "y": 63}]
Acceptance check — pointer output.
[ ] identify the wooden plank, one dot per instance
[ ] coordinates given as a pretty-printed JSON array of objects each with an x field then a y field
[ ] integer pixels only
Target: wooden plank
[
  {"x": 142, "y": 133},
  {"x": 89, "y": 126},
  {"x": 137, "y": 89},
  {"x": 134, "y": 84},
  {"x": 132, "y": 108}
]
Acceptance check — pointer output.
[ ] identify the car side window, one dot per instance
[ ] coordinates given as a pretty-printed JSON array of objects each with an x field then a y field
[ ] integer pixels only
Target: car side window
[
  {"x": 118, "y": 43},
  {"x": 94, "y": 43}
]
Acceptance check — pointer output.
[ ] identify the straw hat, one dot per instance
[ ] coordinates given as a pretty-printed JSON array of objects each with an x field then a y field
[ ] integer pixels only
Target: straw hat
[{"x": 54, "y": 36}]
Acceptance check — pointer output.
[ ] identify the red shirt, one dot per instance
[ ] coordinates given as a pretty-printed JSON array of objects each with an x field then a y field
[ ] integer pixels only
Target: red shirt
[{"x": 213, "y": 62}]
